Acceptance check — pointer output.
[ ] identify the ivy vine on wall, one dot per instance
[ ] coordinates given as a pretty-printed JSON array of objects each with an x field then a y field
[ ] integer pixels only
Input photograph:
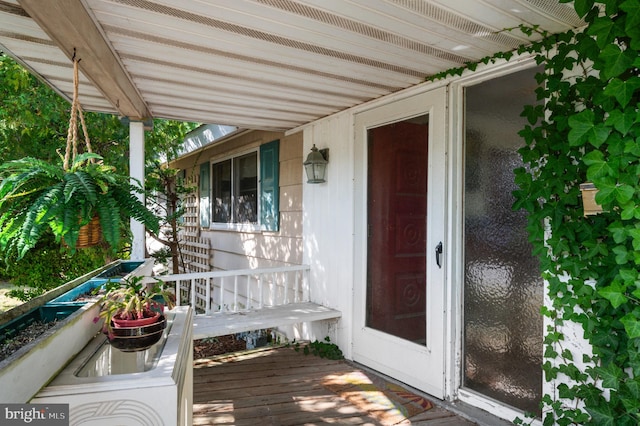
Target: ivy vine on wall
[{"x": 587, "y": 130}]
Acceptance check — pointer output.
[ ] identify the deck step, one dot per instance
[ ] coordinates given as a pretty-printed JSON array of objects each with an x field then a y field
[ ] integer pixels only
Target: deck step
[{"x": 223, "y": 323}]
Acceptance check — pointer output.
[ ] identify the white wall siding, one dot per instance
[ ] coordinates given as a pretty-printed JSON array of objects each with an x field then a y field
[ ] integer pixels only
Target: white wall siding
[{"x": 328, "y": 222}]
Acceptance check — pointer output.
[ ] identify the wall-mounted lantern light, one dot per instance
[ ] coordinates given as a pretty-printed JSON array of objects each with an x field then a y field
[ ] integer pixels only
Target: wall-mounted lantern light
[{"x": 316, "y": 165}]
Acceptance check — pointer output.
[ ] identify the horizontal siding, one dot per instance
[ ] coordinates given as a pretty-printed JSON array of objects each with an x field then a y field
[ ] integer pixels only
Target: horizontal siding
[
  {"x": 262, "y": 248},
  {"x": 291, "y": 172},
  {"x": 240, "y": 250}
]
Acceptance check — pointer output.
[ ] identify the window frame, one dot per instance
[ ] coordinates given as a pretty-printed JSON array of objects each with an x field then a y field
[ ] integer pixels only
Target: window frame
[{"x": 235, "y": 226}]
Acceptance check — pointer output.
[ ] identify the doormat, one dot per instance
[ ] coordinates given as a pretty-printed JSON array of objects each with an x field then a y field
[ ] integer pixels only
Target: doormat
[{"x": 388, "y": 402}]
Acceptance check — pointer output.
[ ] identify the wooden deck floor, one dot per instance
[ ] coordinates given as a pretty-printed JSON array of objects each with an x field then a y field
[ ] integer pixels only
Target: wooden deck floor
[{"x": 285, "y": 387}]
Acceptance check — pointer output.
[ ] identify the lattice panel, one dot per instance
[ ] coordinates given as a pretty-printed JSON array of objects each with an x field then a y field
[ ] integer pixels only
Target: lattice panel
[{"x": 195, "y": 250}]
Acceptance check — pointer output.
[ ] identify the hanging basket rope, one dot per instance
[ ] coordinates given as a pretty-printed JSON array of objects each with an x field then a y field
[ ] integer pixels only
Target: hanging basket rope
[
  {"x": 71, "y": 150},
  {"x": 91, "y": 233}
]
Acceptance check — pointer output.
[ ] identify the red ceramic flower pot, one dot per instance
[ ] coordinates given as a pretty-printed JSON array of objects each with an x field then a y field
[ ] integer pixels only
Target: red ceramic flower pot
[{"x": 138, "y": 322}]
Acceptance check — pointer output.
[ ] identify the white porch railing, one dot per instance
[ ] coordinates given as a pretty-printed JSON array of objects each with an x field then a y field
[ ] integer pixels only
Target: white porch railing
[{"x": 240, "y": 290}]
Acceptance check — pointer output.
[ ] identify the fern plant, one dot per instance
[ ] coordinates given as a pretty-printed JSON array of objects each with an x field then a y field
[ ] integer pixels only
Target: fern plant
[{"x": 36, "y": 196}]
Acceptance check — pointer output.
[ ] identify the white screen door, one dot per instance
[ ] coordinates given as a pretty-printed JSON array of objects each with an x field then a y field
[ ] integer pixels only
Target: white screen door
[{"x": 400, "y": 216}]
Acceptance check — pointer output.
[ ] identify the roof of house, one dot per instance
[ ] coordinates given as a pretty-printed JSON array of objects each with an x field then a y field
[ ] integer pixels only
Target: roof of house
[{"x": 258, "y": 64}]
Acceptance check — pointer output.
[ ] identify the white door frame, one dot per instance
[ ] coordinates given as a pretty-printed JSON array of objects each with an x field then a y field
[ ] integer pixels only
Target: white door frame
[
  {"x": 455, "y": 236},
  {"x": 433, "y": 103}
]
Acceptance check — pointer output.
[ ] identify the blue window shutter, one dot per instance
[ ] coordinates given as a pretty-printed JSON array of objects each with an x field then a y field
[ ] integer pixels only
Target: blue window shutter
[
  {"x": 270, "y": 185},
  {"x": 205, "y": 196}
]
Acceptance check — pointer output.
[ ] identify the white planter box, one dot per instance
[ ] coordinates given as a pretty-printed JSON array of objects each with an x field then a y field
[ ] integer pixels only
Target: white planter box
[
  {"x": 104, "y": 386},
  {"x": 26, "y": 371}
]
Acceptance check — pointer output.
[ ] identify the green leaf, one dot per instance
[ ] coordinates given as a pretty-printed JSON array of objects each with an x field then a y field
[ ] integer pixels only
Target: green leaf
[
  {"x": 609, "y": 192},
  {"x": 614, "y": 293},
  {"x": 635, "y": 238},
  {"x": 621, "y": 254},
  {"x": 623, "y": 121},
  {"x": 633, "y": 387},
  {"x": 632, "y": 7},
  {"x": 623, "y": 91},
  {"x": 624, "y": 193},
  {"x": 611, "y": 376},
  {"x": 584, "y": 129},
  {"x": 583, "y": 7},
  {"x": 632, "y": 146},
  {"x": 628, "y": 275},
  {"x": 598, "y": 166},
  {"x": 618, "y": 232},
  {"x": 631, "y": 325},
  {"x": 630, "y": 211},
  {"x": 602, "y": 28},
  {"x": 616, "y": 61}
]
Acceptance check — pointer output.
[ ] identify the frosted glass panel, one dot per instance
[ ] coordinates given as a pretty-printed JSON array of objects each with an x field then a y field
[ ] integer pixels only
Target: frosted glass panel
[{"x": 503, "y": 290}]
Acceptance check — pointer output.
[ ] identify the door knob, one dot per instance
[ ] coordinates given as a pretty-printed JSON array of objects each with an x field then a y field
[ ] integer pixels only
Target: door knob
[{"x": 438, "y": 254}]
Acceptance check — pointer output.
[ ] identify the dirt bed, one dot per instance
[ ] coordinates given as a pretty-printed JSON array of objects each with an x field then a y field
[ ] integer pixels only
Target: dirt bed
[
  {"x": 205, "y": 348},
  {"x": 26, "y": 335}
]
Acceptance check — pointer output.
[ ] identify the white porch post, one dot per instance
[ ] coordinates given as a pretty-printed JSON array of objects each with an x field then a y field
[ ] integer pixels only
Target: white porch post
[{"x": 136, "y": 171}]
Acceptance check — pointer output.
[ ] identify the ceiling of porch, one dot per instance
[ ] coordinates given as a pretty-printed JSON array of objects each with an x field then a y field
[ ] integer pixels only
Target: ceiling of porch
[{"x": 257, "y": 64}]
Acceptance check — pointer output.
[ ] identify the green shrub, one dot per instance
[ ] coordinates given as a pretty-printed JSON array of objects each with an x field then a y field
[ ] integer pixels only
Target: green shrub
[{"x": 47, "y": 266}]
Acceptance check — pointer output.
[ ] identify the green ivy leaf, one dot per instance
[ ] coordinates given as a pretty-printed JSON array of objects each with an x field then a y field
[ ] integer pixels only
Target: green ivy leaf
[
  {"x": 634, "y": 34},
  {"x": 632, "y": 7},
  {"x": 623, "y": 91},
  {"x": 611, "y": 376},
  {"x": 614, "y": 293},
  {"x": 584, "y": 128},
  {"x": 598, "y": 166},
  {"x": 633, "y": 386},
  {"x": 621, "y": 254},
  {"x": 635, "y": 238},
  {"x": 609, "y": 192},
  {"x": 616, "y": 61},
  {"x": 583, "y": 7},
  {"x": 618, "y": 232},
  {"x": 632, "y": 146},
  {"x": 602, "y": 29},
  {"x": 628, "y": 275},
  {"x": 622, "y": 121},
  {"x": 624, "y": 193},
  {"x": 602, "y": 415},
  {"x": 631, "y": 325}
]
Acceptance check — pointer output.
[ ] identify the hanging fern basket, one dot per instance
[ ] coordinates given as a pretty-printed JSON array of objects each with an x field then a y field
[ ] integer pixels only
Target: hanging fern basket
[{"x": 90, "y": 234}]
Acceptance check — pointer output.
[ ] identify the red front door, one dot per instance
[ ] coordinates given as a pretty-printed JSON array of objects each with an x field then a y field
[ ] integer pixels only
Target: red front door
[{"x": 397, "y": 218}]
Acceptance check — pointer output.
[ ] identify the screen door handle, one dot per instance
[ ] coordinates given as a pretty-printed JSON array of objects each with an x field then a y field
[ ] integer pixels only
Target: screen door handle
[{"x": 438, "y": 254}]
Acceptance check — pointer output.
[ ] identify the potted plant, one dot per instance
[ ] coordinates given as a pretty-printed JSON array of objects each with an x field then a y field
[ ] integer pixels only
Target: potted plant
[
  {"x": 133, "y": 312},
  {"x": 76, "y": 195},
  {"x": 36, "y": 196}
]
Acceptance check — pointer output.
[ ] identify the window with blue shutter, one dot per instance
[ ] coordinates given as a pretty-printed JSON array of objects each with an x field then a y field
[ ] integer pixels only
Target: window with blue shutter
[{"x": 270, "y": 185}]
